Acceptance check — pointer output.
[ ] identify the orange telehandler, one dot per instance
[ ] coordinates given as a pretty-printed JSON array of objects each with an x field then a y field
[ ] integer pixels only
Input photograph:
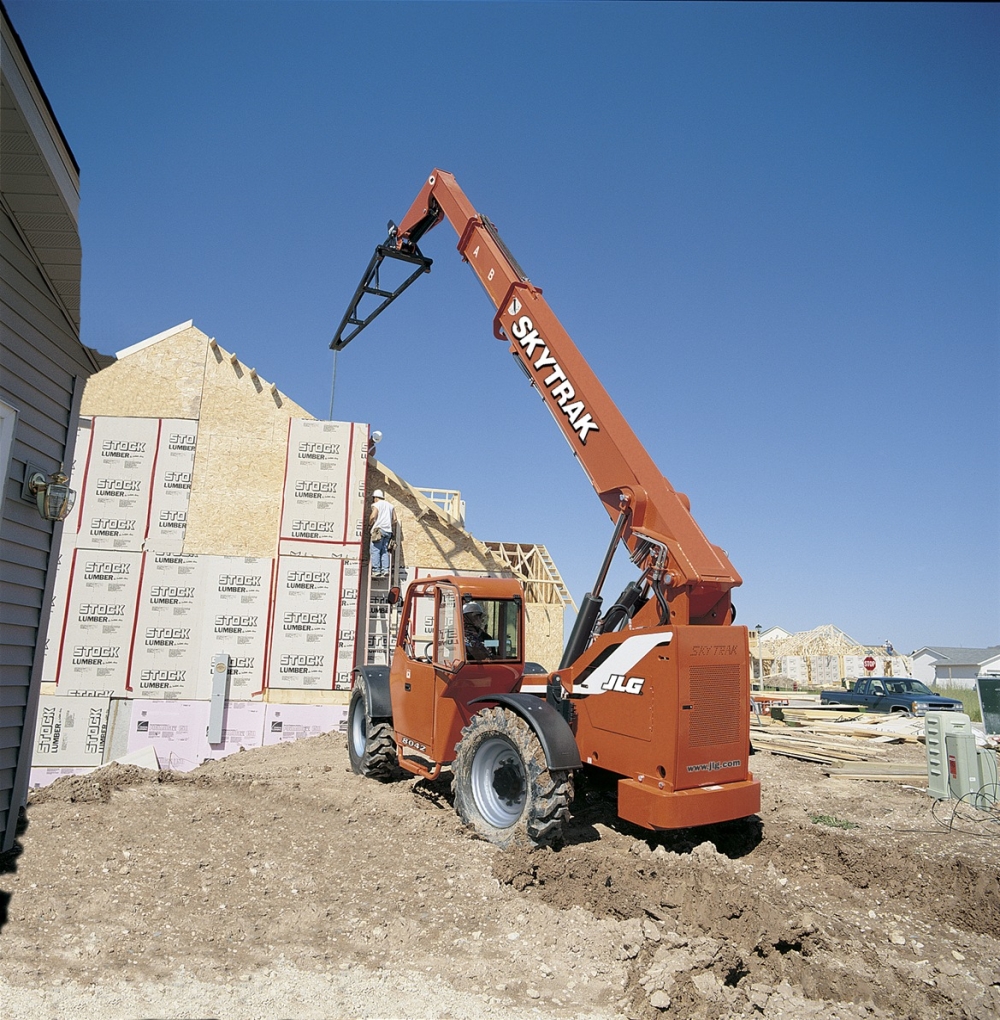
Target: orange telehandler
[{"x": 655, "y": 690}]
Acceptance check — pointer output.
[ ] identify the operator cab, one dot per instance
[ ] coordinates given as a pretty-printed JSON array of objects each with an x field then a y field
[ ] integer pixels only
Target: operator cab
[
  {"x": 460, "y": 638},
  {"x": 451, "y": 623}
]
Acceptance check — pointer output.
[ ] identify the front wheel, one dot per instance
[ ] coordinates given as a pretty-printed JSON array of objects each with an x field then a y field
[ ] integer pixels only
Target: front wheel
[
  {"x": 371, "y": 745},
  {"x": 503, "y": 787}
]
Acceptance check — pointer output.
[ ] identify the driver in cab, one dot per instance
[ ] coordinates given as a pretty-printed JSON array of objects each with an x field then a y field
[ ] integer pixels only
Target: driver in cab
[{"x": 475, "y": 632}]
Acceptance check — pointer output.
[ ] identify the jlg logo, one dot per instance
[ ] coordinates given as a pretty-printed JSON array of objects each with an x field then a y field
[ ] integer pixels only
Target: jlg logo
[{"x": 617, "y": 682}]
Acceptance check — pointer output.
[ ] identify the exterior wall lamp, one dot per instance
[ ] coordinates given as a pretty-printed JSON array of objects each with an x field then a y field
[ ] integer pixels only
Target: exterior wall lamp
[{"x": 53, "y": 497}]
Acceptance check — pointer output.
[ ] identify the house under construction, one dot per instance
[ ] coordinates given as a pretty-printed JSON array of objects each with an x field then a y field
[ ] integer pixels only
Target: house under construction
[
  {"x": 821, "y": 657},
  {"x": 214, "y": 575}
]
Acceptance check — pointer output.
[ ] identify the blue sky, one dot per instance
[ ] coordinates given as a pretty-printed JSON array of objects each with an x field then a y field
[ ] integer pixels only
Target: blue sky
[{"x": 771, "y": 229}]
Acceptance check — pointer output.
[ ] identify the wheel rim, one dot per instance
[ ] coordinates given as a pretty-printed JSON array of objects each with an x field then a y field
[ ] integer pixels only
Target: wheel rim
[
  {"x": 499, "y": 784},
  {"x": 359, "y": 730}
]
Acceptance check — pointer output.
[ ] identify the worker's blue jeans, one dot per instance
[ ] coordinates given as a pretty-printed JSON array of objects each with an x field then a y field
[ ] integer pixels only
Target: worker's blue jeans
[{"x": 380, "y": 555}]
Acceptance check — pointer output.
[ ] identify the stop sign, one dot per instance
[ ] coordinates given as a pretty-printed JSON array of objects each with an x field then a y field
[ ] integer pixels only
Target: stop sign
[{"x": 869, "y": 663}]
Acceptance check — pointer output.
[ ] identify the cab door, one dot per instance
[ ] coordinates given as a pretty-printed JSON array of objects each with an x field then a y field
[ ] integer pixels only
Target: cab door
[{"x": 426, "y": 656}]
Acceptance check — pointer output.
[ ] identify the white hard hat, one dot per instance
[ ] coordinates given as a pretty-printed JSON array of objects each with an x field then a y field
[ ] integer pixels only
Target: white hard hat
[
  {"x": 378, "y": 494},
  {"x": 472, "y": 607}
]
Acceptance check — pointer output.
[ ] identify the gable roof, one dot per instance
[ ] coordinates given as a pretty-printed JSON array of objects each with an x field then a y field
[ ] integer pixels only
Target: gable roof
[
  {"x": 957, "y": 656},
  {"x": 41, "y": 179},
  {"x": 150, "y": 340}
]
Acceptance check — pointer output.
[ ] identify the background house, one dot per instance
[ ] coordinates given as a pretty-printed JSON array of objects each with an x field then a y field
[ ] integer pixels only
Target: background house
[
  {"x": 954, "y": 667},
  {"x": 44, "y": 366}
]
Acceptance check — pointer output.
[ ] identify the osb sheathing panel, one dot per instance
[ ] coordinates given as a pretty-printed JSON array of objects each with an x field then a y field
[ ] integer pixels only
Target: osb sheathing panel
[
  {"x": 163, "y": 380},
  {"x": 544, "y": 637},
  {"x": 429, "y": 538},
  {"x": 432, "y": 541},
  {"x": 239, "y": 462}
]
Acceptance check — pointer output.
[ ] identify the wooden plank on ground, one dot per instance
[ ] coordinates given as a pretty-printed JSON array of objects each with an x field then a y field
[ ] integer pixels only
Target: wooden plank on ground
[
  {"x": 791, "y": 752},
  {"x": 848, "y": 747},
  {"x": 849, "y": 730},
  {"x": 906, "y": 772},
  {"x": 882, "y": 768}
]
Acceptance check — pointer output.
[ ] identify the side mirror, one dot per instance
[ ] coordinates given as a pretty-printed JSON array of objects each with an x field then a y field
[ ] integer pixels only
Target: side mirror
[{"x": 393, "y": 597}]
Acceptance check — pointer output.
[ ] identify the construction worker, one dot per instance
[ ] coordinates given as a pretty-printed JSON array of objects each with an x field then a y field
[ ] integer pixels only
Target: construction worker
[
  {"x": 381, "y": 522},
  {"x": 476, "y": 635}
]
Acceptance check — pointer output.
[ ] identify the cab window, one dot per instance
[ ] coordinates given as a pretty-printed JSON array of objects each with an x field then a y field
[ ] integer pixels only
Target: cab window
[
  {"x": 499, "y": 637},
  {"x": 419, "y": 637},
  {"x": 446, "y": 648}
]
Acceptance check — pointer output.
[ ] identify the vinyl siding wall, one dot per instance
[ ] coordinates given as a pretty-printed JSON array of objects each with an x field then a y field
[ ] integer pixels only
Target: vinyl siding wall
[{"x": 41, "y": 360}]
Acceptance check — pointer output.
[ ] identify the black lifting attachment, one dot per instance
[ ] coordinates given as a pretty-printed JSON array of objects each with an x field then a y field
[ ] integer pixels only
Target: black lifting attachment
[{"x": 369, "y": 285}]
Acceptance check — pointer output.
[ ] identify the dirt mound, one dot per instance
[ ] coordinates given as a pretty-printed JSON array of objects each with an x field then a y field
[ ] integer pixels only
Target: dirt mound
[
  {"x": 98, "y": 786},
  {"x": 275, "y": 882}
]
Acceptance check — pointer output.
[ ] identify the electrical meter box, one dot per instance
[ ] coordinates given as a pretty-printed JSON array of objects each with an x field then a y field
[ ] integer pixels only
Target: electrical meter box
[
  {"x": 963, "y": 765},
  {"x": 937, "y": 726},
  {"x": 989, "y": 779}
]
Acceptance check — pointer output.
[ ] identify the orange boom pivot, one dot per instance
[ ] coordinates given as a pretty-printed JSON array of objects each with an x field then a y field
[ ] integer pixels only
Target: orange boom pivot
[{"x": 655, "y": 690}]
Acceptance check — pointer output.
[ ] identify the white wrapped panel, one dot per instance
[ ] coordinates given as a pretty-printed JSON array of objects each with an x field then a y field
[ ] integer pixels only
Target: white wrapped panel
[
  {"x": 236, "y": 600},
  {"x": 854, "y": 665},
  {"x": 165, "y": 657},
  {"x": 116, "y": 492},
  {"x": 71, "y": 731},
  {"x": 306, "y": 623},
  {"x": 348, "y": 624},
  {"x": 794, "y": 667},
  {"x": 284, "y": 723},
  {"x": 323, "y": 502},
  {"x": 824, "y": 670},
  {"x": 77, "y": 477},
  {"x": 171, "y": 486},
  {"x": 57, "y": 611},
  {"x": 96, "y": 640}
]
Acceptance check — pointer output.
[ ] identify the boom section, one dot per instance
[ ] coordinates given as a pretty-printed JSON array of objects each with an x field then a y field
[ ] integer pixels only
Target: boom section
[{"x": 661, "y": 533}]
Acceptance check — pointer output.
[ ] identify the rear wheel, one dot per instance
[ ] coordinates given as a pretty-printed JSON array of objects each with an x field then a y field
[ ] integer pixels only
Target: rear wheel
[
  {"x": 371, "y": 745},
  {"x": 503, "y": 787}
]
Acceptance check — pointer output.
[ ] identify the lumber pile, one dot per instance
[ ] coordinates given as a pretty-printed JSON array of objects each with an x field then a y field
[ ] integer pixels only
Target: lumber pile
[
  {"x": 806, "y": 746},
  {"x": 849, "y": 722},
  {"x": 845, "y": 750}
]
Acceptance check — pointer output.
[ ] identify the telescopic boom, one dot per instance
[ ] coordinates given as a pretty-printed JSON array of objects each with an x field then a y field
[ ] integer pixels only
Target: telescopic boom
[{"x": 690, "y": 577}]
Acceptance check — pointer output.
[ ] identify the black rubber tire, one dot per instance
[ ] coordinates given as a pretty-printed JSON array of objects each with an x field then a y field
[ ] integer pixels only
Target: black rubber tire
[
  {"x": 371, "y": 745},
  {"x": 503, "y": 788}
]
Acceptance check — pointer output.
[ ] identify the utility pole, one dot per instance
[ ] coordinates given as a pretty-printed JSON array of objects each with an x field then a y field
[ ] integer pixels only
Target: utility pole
[{"x": 760, "y": 657}]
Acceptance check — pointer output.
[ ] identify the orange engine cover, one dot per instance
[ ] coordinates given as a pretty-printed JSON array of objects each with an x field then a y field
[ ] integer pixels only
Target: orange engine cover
[{"x": 668, "y": 709}]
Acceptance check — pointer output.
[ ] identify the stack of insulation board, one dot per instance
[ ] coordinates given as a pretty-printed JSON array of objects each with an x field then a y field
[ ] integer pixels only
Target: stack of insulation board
[{"x": 134, "y": 617}]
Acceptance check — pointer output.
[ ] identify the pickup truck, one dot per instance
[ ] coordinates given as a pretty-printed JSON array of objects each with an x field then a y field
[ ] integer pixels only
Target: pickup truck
[{"x": 892, "y": 694}]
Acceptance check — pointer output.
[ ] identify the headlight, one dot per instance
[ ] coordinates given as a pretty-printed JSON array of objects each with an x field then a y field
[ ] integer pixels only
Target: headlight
[{"x": 918, "y": 708}]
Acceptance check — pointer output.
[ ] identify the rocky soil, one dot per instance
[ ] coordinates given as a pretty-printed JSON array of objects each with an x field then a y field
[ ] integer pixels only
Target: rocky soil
[{"x": 275, "y": 883}]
